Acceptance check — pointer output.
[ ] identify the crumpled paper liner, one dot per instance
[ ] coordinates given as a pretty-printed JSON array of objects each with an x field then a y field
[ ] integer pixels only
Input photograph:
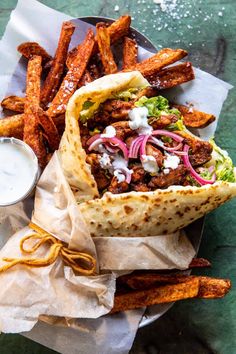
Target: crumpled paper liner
[
  {"x": 29, "y": 22},
  {"x": 56, "y": 211}
]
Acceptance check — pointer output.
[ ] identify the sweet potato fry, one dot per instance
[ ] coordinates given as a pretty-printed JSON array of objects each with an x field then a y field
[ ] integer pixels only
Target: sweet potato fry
[
  {"x": 179, "y": 287},
  {"x": 156, "y": 295},
  {"x": 145, "y": 280},
  {"x": 103, "y": 39},
  {"x": 199, "y": 263},
  {"x": 53, "y": 78},
  {"x": 193, "y": 118},
  {"x": 13, "y": 126},
  {"x": 212, "y": 288},
  {"x": 85, "y": 79},
  {"x": 116, "y": 30},
  {"x": 209, "y": 287},
  {"x": 28, "y": 49},
  {"x": 94, "y": 69},
  {"x": 119, "y": 28},
  {"x": 158, "y": 61},
  {"x": 172, "y": 76},
  {"x": 50, "y": 129},
  {"x": 13, "y": 103},
  {"x": 130, "y": 53},
  {"x": 73, "y": 76},
  {"x": 32, "y": 134}
]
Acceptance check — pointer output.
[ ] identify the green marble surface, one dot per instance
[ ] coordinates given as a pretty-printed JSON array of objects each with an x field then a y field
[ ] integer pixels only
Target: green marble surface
[{"x": 207, "y": 29}]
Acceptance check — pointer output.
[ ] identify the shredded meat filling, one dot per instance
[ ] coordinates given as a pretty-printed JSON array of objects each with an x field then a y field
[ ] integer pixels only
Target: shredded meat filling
[
  {"x": 201, "y": 150},
  {"x": 123, "y": 130},
  {"x": 174, "y": 177},
  {"x": 156, "y": 153},
  {"x": 118, "y": 109},
  {"x": 163, "y": 121},
  {"x": 138, "y": 174},
  {"x": 117, "y": 188},
  {"x": 101, "y": 177}
]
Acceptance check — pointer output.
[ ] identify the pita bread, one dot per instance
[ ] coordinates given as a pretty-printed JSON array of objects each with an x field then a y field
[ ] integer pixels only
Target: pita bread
[
  {"x": 73, "y": 156},
  {"x": 153, "y": 213},
  {"x": 134, "y": 213}
]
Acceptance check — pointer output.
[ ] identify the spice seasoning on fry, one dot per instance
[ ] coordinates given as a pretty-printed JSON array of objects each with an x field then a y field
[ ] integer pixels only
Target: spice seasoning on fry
[
  {"x": 54, "y": 76},
  {"x": 32, "y": 134},
  {"x": 74, "y": 74},
  {"x": 130, "y": 53},
  {"x": 104, "y": 45}
]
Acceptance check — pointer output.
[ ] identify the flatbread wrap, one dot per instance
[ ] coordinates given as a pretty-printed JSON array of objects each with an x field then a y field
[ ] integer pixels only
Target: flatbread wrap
[{"x": 134, "y": 167}]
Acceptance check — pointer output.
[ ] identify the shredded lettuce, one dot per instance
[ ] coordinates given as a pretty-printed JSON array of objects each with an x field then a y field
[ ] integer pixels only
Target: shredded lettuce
[
  {"x": 155, "y": 105},
  {"x": 94, "y": 131},
  {"x": 179, "y": 125},
  {"x": 205, "y": 173},
  {"x": 126, "y": 95},
  {"x": 158, "y": 106},
  {"x": 224, "y": 167},
  {"x": 87, "y": 105},
  {"x": 86, "y": 113}
]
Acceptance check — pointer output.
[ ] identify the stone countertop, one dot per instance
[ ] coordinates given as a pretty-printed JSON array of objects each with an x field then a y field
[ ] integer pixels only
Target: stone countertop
[{"x": 207, "y": 29}]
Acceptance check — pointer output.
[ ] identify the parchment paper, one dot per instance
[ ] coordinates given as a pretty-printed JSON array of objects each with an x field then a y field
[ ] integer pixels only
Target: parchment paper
[{"x": 30, "y": 22}]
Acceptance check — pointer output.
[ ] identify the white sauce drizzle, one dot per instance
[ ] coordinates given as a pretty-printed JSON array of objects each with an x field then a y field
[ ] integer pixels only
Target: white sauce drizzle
[
  {"x": 139, "y": 120},
  {"x": 17, "y": 172}
]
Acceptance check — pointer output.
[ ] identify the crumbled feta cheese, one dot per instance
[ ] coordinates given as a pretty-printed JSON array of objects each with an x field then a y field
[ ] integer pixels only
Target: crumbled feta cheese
[
  {"x": 120, "y": 168},
  {"x": 171, "y": 161},
  {"x": 119, "y": 162},
  {"x": 149, "y": 163},
  {"x": 166, "y": 171},
  {"x": 116, "y": 8},
  {"x": 100, "y": 148},
  {"x": 105, "y": 161},
  {"x": 139, "y": 120},
  {"x": 119, "y": 175},
  {"x": 110, "y": 132}
]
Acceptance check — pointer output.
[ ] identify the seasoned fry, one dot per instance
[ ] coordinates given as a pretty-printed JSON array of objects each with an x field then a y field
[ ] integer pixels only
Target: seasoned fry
[
  {"x": 172, "y": 76},
  {"x": 53, "y": 78},
  {"x": 74, "y": 74},
  {"x": 28, "y": 49},
  {"x": 182, "y": 287},
  {"x": 199, "y": 263},
  {"x": 85, "y": 79},
  {"x": 158, "y": 61},
  {"x": 119, "y": 28},
  {"x": 106, "y": 55},
  {"x": 193, "y": 118},
  {"x": 94, "y": 70},
  {"x": 14, "y": 103},
  {"x": 149, "y": 279},
  {"x": 158, "y": 295},
  {"x": 211, "y": 288},
  {"x": 13, "y": 126},
  {"x": 50, "y": 129},
  {"x": 130, "y": 53},
  {"x": 116, "y": 30},
  {"x": 32, "y": 135}
]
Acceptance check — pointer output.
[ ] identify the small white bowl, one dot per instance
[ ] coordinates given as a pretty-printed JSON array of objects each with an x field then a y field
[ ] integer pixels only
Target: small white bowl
[{"x": 21, "y": 159}]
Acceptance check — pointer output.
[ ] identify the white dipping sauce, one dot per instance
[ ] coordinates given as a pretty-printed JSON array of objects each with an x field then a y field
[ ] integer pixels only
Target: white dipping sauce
[{"x": 18, "y": 170}]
